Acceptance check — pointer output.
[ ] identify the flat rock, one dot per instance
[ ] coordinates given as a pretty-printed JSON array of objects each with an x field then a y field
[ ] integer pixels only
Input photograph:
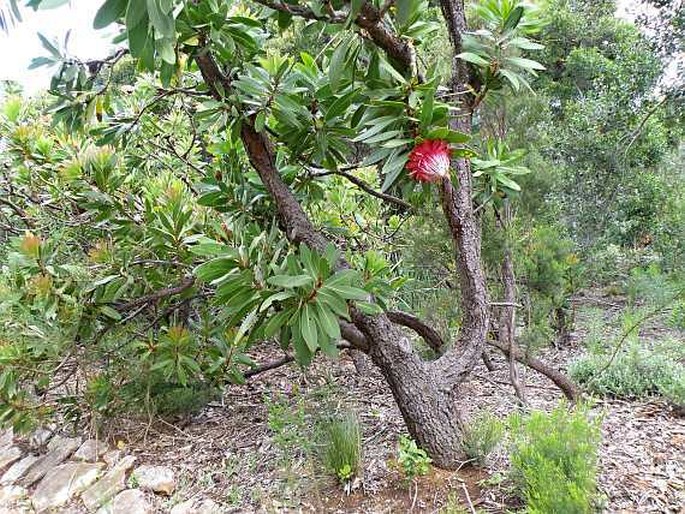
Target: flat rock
[
  {"x": 17, "y": 470},
  {"x": 197, "y": 506},
  {"x": 128, "y": 502},
  {"x": 40, "y": 437},
  {"x": 59, "y": 448},
  {"x": 110, "y": 484},
  {"x": 159, "y": 479},
  {"x": 14, "y": 500},
  {"x": 11, "y": 494},
  {"x": 6, "y": 438},
  {"x": 9, "y": 456},
  {"x": 112, "y": 457},
  {"x": 91, "y": 450},
  {"x": 63, "y": 483}
]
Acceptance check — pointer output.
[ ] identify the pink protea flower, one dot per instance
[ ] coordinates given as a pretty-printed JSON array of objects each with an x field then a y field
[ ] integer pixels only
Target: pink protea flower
[{"x": 429, "y": 161}]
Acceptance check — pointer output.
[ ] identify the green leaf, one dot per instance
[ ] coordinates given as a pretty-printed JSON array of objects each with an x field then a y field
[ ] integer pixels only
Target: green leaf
[
  {"x": 393, "y": 167},
  {"x": 137, "y": 27},
  {"x": 37, "y": 62},
  {"x": 522, "y": 62},
  {"x": 449, "y": 135},
  {"x": 215, "y": 268},
  {"x": 308, "y": 327},
  {"x": 49, "y": 46},
  {"x": 276, "y": 322},
  {"x": 369, "y": 308},
  {"x": 473, "y": 58},
  {"x": 260, "y": 121},
  {"x": 291, "y": 280},
  {"x": 405, "y": 10},
  {"x": 277, "y": 297},
  {"x": 327, "y": 321},
  {"x": 336, "y": 67},
  {"x": 163, "y": 22},
  {"x": 340, "y": 105},
  {"x": 109, "y": 12},
  {"x": 337, "y": 304},
  {"x": 525, "y": 44},
  {"x": 110, "y": 312},
  {"x": 513, "y": 19},
  {"x": 507, "y": 182},
  {"x": 346, "y": 292}
]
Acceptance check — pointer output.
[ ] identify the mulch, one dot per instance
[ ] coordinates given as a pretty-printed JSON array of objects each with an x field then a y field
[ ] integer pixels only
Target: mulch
[{"x": 230, "y": 454}]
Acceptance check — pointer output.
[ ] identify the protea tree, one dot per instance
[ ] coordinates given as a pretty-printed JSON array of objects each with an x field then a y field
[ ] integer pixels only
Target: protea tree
[{"x": 294, "y": 119}]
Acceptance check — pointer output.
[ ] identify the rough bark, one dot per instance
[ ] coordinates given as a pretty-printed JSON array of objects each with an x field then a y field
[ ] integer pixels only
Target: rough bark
[
  {"x": 457, "y": 207},
  {"x": 428, "y": 410}
]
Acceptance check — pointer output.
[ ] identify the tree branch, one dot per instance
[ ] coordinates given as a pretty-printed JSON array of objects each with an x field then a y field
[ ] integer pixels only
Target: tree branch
[
  {"x": 370, "y": 19},
  {"x": 366, "y": 188},
  {"x": 428, "y": 334},
  {"x": 186, "y": 283},
  {"x": 560, "y": 379}
]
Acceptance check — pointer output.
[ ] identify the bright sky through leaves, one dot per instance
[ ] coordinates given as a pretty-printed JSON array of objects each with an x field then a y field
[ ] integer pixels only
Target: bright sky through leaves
[{"x": 21, "y": 43}]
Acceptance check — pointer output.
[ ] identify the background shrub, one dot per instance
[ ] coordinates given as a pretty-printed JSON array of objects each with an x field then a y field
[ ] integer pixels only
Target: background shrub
[{"x": 634, "y": 373}]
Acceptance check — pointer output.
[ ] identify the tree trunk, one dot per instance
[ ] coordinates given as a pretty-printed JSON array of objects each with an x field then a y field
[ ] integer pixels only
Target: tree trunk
[
  {"x": 428, "y": 410},
  {"x": 507, "y": 320}
]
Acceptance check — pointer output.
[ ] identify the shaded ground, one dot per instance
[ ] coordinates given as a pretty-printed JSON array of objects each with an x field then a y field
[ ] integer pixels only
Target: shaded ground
[{"x": 230, "y": 454}]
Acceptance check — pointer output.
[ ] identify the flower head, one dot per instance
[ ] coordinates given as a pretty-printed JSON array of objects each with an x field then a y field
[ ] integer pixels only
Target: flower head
[{"x": 429, "y": 161}]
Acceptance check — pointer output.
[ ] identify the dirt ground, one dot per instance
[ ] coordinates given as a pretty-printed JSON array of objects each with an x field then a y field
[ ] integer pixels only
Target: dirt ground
[{"x": 230, "y": 453}]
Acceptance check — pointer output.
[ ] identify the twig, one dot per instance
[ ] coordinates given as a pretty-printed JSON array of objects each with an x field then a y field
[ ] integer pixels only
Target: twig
[
  {"x": 366, "y": 188},
  {"x": 287, "y": 358},
  {"x": 468, "y": 498},
  {"x": 428, "y": 334}
]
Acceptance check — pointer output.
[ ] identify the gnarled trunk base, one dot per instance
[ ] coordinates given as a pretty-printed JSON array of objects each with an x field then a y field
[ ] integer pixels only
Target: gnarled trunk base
[{"x": 430, "y": 413}]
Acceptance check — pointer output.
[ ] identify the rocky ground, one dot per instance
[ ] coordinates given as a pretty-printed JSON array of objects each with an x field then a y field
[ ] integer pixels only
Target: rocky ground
[{"x": 253, "y": 451}]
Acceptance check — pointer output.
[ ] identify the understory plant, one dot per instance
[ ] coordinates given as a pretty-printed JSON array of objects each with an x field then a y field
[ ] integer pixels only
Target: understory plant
[
  {"x": 554, "y": 459},
  {"x": 634, "y": 373},
  {"x": 412, "y": 460},
  {"x": 341, "y": 446},
  {"x": 481, "y": 436}
]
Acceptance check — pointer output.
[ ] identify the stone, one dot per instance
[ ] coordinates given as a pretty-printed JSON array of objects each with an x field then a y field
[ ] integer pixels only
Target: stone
[
  {"x": 159, "y": 479},
  {"x": 91, "y": 450},
  {"x": 9, "y": 456},
  {"x": 17, "y": 470},
  {"x": 128, "y": 502},
  {"x": 112, "y": 457},
  {"x": 11, "y": 494},
  {"x": 109, "y": 485},
  {"x": 196, "y": 506},
  {"x": 14, "y": 500},
  {"x": 40, "y": 437},
  {"x": 6, "y": 438},
  {"x": 63, "y": 483},
  {"x": 59, "y": 448}
]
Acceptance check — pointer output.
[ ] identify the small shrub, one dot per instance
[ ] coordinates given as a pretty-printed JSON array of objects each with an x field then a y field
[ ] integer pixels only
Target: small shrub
[
  {"x": 480, "y": 437},
  {"x": 677, "y": 317},
  {"x": 554, "y": 459},
  {"x": 453, "y": 505},
  {"x": 635, "y": 373},
  {"x": 342, "y": 446},
  {"x": 412, "y": 460},
  {"x": 290, "y": 425}
]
